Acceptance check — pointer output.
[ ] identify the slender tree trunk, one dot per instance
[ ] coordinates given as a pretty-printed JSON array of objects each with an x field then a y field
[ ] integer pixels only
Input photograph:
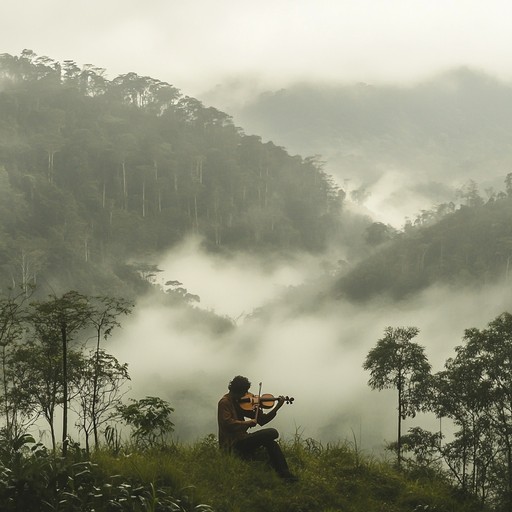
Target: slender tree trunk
[
  {"x": 196, "y": 217},
  {"x": 5, "y": 385},
  {"x": 464, "y": 459},
  {"x": 125, "y": 193},
  {"x": 64, "y": 389},
  {"x": 475, "y": 457},
  {"x": 95, "y": 392},
  {"x": 87, "y": 444},
  {"x": 399, "y": 439},
  {"x": 52, "y": 436},
  {"x": 199, "y": 169},
  {"x": 143, "y": 199},
  {"x": 508, "y": 446},
  {"x": 50, "y": 165}
]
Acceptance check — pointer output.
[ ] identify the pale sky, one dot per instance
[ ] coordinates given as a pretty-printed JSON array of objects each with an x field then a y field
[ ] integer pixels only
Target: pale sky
[{"x": 199, "y": 44}]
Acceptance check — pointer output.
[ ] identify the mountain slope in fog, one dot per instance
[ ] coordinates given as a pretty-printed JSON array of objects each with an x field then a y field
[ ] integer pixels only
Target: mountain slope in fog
[
  {"x": 432, "y": 137},
  {"x": 469, "y": 246},
  {"x": 96, "y": 172}
]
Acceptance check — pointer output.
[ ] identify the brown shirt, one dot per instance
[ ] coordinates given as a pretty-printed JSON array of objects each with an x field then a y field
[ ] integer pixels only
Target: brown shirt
[{"x": 231, "y": 418}]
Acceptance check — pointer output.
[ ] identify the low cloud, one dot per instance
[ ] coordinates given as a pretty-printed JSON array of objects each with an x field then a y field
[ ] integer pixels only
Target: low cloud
[{"x": 314, "y": 356}]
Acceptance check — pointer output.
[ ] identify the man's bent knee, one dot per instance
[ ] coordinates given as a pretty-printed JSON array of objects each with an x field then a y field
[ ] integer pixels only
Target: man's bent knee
[{"x": 269, "y": 433}]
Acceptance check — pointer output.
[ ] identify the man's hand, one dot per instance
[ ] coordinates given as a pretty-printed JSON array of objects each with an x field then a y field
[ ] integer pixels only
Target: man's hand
[
  {"x": 251, "y": 423},
  {"x": 279, "y": 403}
]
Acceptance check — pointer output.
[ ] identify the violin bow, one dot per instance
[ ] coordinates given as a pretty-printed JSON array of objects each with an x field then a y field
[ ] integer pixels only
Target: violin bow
[{"x": 258, "y": 404}]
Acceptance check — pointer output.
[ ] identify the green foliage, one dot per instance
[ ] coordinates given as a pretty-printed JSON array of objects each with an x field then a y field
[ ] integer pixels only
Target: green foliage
[
  {"x": 150, "y": 421},
  {"x": 97, "y": 390},
  {"x": 92, "y": 170},
  {"x": 473, "y": 392},
  {"x": 480, "y": 456},
  {"x": 423, "y": 445},
  {"x": 470, "y": 246},
  {"x": 44, "y": 367},
  {"x": 396, "y": 362},
  {"x": 32, "y": 479}
]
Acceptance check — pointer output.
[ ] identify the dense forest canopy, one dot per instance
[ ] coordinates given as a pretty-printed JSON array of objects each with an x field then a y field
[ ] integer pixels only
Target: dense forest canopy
[
  {"x": 469, "y": 245},
  {"x": 95, "y": 171}
]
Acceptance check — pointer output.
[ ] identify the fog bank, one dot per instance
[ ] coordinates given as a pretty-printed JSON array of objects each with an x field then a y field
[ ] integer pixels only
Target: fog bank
[{"x": 315, "y": 356}]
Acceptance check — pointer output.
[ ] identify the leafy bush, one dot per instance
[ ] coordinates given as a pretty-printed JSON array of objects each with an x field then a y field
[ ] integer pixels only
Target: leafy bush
[{"x": 150, "y": 421}]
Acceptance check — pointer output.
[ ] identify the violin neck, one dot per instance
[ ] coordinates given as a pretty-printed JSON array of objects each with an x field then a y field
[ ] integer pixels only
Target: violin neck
[{"x": 257, "y": 406}]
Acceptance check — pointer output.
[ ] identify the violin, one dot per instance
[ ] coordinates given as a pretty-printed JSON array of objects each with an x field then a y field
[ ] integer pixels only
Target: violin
[{"x": 251, "y": 402}]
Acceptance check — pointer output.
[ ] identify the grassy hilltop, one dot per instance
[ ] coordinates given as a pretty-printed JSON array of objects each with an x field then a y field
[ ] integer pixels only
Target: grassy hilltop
[{"x": 199, "y": 477}]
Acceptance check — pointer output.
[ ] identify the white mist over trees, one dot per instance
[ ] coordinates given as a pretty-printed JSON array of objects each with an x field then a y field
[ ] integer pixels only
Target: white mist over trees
[{"x": 395, "y": 148}]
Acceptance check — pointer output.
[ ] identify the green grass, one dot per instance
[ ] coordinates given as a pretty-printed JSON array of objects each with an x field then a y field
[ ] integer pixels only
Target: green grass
[
  {"x": 332, "y": 478},
  {"x": 198, "y": 477}
]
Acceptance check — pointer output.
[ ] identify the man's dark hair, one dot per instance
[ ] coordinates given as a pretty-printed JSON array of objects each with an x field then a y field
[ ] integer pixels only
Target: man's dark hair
[{"x": 239, "y": 384}]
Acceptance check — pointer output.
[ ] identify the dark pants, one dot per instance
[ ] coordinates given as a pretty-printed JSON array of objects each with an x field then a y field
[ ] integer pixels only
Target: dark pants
[{"x": 265, "y": 438}]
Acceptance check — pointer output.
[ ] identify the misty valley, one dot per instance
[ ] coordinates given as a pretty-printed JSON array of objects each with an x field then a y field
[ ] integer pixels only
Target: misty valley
[{"x": 151, "y": 250}]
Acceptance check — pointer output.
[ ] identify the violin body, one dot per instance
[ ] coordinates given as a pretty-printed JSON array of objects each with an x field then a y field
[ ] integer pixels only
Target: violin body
[{"x": 251, "y": 402}]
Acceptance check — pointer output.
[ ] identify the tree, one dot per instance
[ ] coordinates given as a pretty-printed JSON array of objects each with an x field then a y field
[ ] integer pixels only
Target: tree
[
  {"x": 176, "y": 290},
  {"x": 11, "y": 331},
  {"x": 97, "y": 387},
  {"x": 508, "y": 184},
  {"x": 469, "y": 192},
  {"x": 35, "y": 370},
  {"x": 396, "y": 362},
  {"x": 58, "y": 320},
  {"x": 378, "y": 233},
  {"x": 487, "y": 357},
  {"x": 462, "y": 400},
  {"x": 104, "y": 318}
]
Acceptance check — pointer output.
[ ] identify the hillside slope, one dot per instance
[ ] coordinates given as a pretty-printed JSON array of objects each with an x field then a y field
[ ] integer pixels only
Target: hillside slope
[
  {"x": 470, "y": 246},
  {"x": 404, "y": 147},
  {"x": 95, "y": 173}
]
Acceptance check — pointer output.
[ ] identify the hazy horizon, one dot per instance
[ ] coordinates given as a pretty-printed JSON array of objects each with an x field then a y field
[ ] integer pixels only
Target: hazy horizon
[{"x": 199, "y": 45}]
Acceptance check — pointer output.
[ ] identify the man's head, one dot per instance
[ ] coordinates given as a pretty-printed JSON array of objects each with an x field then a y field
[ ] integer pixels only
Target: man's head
[{"x": 239, "y": 385}]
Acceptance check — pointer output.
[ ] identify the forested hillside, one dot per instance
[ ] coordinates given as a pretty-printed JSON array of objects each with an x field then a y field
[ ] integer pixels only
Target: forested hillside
[
  {"x": 97, "y": 172},
  {"x": 471, "y": 245},
  {"x": 460, "y": 119},
  {"x": 435, "y": 134}
]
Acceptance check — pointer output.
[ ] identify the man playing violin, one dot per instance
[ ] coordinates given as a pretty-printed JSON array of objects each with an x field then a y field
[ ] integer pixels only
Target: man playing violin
[{"x": 233, "y": 427}]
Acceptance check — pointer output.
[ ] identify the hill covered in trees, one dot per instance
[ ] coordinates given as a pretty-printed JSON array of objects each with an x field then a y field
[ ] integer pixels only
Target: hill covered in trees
[
  {"x": 470, "y": 245},
  {"x": 97, "y": 172},
  {"x": 433, "y": 135}
]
